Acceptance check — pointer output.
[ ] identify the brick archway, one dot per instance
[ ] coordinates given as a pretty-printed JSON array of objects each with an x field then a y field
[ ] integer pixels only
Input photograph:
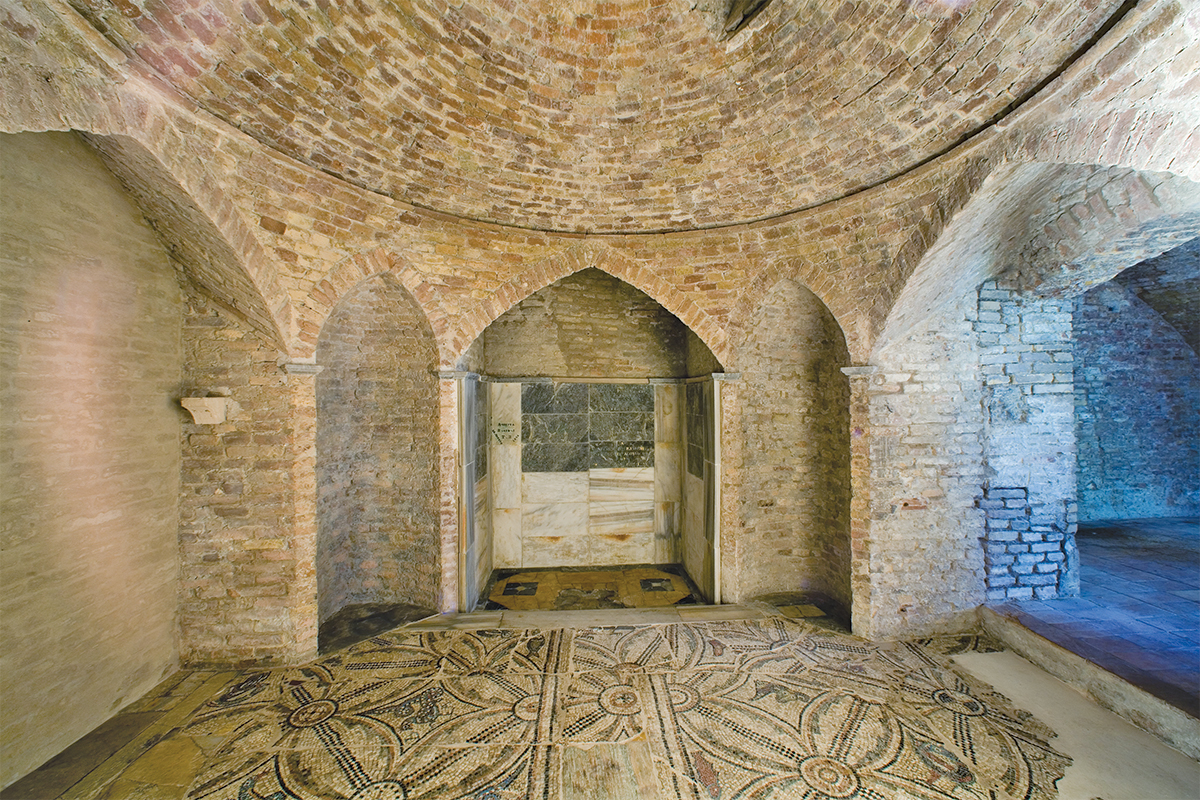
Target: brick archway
[
  {"x": 605, "y": 259},
  {"x": 142, "y": 124}
]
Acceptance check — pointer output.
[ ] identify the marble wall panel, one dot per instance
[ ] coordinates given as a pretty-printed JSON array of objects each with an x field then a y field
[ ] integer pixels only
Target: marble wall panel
[
  {"x": 615, "y": 549},
  {"x": 554, "y": 398},
  {"x": 506, "y": 538},
  {"x": 556, "y": 519},
  {"x": 504, "y": 441},
  {"x": 630, "y": 426},
  {"x": 667, "y": 533},
  {"x": 587, "y": 473},
  {"x": 555, "y": 487},
  {"x": 668, "y": 482},
  {"x": 506, "y": 476},
  {"x": 558, "y": 551},
  {"x": 484, "y": 534},
  {"x": 666, "y": 413},
  {"x": 563, "y": 457},
  {"x": 621, "y": 397},
  {"x": 554, "y": 428},
  {"x": 694, "y": 543},
  {"x": 506, "y": 406},
  {"x": 621, "y": 454},
  {"x": 621, "y": 485},
  {"x": 621, "y": 518}
]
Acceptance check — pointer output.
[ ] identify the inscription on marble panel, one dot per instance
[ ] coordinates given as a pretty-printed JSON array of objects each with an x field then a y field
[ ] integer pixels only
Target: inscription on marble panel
[
  {"x": 505, "y": 433},
  {"x": 622, "y": 454}
]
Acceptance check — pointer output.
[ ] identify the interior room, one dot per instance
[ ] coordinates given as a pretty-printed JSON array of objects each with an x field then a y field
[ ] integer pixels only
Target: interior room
[{"x": 599, "y": 399}]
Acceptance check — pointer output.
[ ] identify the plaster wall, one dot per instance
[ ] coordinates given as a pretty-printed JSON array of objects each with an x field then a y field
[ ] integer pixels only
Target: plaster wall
[{"x": 90, "y": 354}]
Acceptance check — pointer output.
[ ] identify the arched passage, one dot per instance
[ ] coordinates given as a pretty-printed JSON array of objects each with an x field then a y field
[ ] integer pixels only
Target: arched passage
[
  {"x": 796, "y": 460},
  {"x": 577, "y": 437},
  {"x": 377, "y": 443}
]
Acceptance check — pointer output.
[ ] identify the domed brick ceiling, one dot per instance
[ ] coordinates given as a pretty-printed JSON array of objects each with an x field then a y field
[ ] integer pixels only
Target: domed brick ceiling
[{"x": 620, "y": 116}]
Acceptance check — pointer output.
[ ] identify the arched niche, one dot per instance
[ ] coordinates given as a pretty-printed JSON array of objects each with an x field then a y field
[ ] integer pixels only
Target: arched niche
[
  {"x": 795, "y": 472},
  {"x": 576, "y": 436},
  {"x": 377, "y": 445}
]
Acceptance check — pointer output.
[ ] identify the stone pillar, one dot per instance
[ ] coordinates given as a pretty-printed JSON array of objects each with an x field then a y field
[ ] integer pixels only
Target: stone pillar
[
  {"x": 449, "y": 594},
  {"x": 860, "y": 496},
  {"x": 302, "y": 450},
  {"x": 727, "y": 420}
]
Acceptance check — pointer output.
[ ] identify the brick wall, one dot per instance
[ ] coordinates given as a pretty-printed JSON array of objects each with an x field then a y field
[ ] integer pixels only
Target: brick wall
[
  {"x": 376, "y": 449},
  {"x": 919, "y": 561},
  {"x": 89, "y": 448},
  {"x": 795, "y": 469},
  {"x": 1137, "y": 391},
  {"x": 240, "y": 599},
  {"x": 1026, "y": 358},
  {"x": 589, "y": 324}
]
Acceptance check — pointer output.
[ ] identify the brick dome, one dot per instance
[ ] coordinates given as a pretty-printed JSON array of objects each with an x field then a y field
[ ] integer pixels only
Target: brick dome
[{"x": 620, "y": 116}]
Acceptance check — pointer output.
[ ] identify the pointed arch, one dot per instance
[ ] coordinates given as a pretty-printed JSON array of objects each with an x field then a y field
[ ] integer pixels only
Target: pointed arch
[
  {"x": 324, "y": 296},
  {"x": 151, "y": 144},
  {"x": 377, "y": 444},
  {"x": 608, "y": 260}
]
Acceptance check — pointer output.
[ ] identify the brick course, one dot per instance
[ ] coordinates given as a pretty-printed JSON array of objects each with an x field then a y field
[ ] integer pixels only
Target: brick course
[
  {"x": 1027, "y": 364},
  {"x": 376, "y": 447},
  {"x": 90, "y": 359},
  {"x": 1137, "y": 389}
]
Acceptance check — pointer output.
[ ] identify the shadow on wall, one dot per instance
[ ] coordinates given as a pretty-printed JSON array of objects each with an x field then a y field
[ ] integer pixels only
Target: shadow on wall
[
  {"x": 796, "y": 460},
  {"x": 1137, "y": 391},
  {"x": 377, "y": 445}
]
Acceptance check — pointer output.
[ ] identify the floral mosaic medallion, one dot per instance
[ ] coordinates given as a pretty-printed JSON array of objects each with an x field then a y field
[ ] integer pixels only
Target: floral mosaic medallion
[{"x": 768, "y": 708}]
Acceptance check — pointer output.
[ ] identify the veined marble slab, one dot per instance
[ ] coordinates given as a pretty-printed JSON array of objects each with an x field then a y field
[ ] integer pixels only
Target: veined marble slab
[
  {"x": 667, "y": 482},
  {"x": 621, "y": 518},
  {"x": 666, "y": 414},
  {"x": 553, "y": 519},
  {"x": 506, "y": 475},
  {"x": 554, "y": 487},
  {"x": 611, "y": 549},
  {"x": 667, "y": 521},
  {"x": 556, "y": 551},
  {"x": 621, "y": 484},
  {"x": 506, "y": 537},
  {"x": 506, "y": 405}
]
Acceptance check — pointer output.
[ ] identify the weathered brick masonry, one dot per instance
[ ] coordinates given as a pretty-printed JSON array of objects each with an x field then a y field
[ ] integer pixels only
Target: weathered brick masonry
[
  {"x": 90, "y": 363},
  {"x": 1137, "y": 389},
  {"x": 366, "y": 188},
  {"x": 1027, "y": 362},
  {"x": 376, "y": 442}
]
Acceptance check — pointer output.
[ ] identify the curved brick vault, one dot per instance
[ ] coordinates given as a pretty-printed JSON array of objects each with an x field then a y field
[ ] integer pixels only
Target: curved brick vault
[
  {"x": 1116, "y": 104},
  {"x": 605, "y": 116}
]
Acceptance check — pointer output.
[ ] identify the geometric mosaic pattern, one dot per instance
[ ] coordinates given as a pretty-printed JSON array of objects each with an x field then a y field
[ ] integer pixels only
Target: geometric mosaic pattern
[{"x": 770, "y": 708}]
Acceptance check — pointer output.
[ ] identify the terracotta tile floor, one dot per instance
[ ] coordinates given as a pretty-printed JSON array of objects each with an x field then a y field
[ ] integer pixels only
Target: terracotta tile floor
[{"x": 1138, "y": 615}]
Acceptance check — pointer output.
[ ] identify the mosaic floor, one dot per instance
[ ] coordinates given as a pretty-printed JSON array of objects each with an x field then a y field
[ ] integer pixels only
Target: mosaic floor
[{"x": 766, "y": 708}]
